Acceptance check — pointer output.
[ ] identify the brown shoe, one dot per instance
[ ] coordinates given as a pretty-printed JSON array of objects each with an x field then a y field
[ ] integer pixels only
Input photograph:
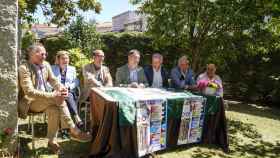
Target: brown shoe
[
  {"x": 79, "y": 136},
  {"x": 54, "y": 147}
]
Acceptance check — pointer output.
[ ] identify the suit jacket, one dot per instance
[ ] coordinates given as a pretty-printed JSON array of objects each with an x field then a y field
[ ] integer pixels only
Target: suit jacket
[
  {"x": 122, "y": 76},
  {"x": 89, "y": 73},
  {"x": 149, "y": 72},
  {"x": 71, "y": 80},
  {"x": 176, "y": 78},
  {"x": 28, "y": 83}
]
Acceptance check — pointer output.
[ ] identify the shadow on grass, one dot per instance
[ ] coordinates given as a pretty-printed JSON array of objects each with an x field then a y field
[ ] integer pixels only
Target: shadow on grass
[
  {"x": 27, "y": 152},
  {"x": 71, "y": 149},
  {"x": 267, "y": 112},
  {"x": 252, "y": 144},
  {"x": 244, "y": 141}
]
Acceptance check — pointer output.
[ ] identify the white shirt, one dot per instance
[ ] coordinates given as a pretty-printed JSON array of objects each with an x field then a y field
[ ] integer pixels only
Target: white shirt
[{"x": 157, "y": 79}]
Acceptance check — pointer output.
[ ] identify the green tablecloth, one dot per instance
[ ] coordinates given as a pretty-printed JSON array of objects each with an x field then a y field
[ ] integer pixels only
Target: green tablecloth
[
  {"x": 127, "y": 110},
  {"x": 115, "y": 129}
]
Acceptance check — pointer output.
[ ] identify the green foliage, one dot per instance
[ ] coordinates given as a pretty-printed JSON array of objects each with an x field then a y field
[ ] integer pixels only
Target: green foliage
[
  {"x": 117, "y": 45},
  {"x": 83, "y": 35},
  {"x": 53, "y": 45},
  {"x": 78, "y": 59},
  {"x": 27, "y": 40},
  {"x": 246, "y": 75},
  {"x": 57, "y": 11},
  {"x": 201, "y": 27}
]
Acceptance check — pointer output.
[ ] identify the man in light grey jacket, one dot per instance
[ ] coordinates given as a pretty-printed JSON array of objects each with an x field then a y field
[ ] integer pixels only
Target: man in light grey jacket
[{"x": 130, "y": 74}]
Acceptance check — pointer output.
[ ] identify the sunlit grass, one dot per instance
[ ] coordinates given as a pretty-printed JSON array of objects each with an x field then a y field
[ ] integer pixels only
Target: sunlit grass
[{"x": 254, "y": 132}]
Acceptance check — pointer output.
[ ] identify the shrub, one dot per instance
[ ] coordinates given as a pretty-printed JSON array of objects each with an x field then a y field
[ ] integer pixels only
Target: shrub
[
  {"x": 78, "y": 59},
  {"x": 55, "y": 44}
]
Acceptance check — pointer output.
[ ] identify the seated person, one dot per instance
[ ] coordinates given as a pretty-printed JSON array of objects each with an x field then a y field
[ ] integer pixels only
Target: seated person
[
  {"x": 156, "y": 74},
  {"x": 33, "y": 96},
  {"x": 96, "y": 74},
  {"x": 182, "y": 75},
  {"x": 66, "y": 74},
  {"x": 209, "y": 83},
  {"x": 130, "y": 74}
]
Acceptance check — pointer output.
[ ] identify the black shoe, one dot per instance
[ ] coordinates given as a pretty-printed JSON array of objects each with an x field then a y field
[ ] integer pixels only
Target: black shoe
[
  {"x": 80, "y": 125},
  {"x": 64, "y": 134}
]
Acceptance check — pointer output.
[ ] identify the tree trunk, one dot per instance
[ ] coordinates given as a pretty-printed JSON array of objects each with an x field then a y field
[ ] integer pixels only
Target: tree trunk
[{"x": 195, "y": 59}]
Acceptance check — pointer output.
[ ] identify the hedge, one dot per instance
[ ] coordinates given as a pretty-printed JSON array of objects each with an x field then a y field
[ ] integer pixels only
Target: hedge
[{"x": 247, "y": 78}]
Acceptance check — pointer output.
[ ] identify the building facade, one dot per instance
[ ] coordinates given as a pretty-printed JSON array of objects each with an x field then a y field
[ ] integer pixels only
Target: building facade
[
  {"x": 104, "y": 27},
  {"x": 129, "y": 21}
]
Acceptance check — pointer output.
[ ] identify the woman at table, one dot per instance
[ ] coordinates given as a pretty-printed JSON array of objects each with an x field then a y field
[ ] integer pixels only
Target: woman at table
[
  {"x": 66, "y": 74},
  {"x": 209, "y": 83}
]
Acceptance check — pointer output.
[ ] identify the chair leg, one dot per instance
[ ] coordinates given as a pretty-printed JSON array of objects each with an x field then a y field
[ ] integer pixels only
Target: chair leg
[
  {"x": 45, "y": 118},
  {"x": 32, "y": 126},
  {"x": 79, "y": 108},
  {"x": 90, "y": 118},
  {"x": 29, "y": 123},
  {"x": 86, "y": 116}
]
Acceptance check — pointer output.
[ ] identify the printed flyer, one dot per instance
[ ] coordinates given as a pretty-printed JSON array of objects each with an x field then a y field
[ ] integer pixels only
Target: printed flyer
[
  {"x": 151, "y": 126},
  {"x": 191, "y": 121}
]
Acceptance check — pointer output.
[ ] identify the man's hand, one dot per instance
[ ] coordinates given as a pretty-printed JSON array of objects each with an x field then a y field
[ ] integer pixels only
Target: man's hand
[
  {"x": 60, "y": 95},
  {"x": 134, "y": 85},
  {"x": 191, "y": 87},
  {"x": 64, "y": 92},
  {"x": 186, "y": 87},
  {"x": 141, "y": 85},
  {"x": 95, "y": 82}
]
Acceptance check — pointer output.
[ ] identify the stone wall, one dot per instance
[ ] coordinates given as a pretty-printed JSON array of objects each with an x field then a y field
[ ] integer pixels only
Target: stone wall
[{"x": 8, "y": 64}]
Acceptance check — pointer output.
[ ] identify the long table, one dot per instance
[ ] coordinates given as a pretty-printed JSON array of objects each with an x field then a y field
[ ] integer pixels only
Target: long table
[{"x": 135, "y": 122}]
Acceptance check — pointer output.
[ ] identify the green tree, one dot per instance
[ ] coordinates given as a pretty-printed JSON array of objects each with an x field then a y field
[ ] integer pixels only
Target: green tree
[
  {"x": 57, "y": 11},
  {"x": 83, "y": 35},
  {"x": 202, "y": 27}
]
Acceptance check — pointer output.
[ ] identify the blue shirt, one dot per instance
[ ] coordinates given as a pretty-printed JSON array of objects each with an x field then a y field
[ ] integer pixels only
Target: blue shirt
[{"x": 180, "y": 80}]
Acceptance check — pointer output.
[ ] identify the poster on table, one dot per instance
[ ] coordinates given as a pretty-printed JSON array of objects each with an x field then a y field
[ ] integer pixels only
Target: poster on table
[
  {"x": 151, "y": 126},
  {"x": 191, "y": 121}
]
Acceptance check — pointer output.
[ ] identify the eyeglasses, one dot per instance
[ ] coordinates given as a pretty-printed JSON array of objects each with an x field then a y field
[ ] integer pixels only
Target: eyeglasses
[
  {"x": 44, "y": 54},
  {"x": 102, "y": 56}
]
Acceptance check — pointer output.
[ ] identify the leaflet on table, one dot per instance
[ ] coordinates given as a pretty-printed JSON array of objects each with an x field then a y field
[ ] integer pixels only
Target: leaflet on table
[{"x": 151, "y": 126}]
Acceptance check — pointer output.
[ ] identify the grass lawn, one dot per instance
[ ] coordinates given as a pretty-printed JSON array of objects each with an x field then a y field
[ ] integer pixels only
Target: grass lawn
[{"x": 254, "y": 132}]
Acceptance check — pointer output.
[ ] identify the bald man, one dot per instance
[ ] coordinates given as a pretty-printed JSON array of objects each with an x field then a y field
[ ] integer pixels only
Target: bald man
[
  {"x": 96, "y": 74},
  {"x": 210, "y": 77}
]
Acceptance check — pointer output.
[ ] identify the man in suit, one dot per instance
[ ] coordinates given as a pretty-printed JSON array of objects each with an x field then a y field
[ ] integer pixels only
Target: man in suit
[
  {"x": 156, "y": 75},
  {"x": 96, "y": 74},
  {"x": 130, "y": 74},
  {"x": 67, "y": 76},
  {"x": 33, "y": 96},
  {"x": 182, "y": 75}
]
